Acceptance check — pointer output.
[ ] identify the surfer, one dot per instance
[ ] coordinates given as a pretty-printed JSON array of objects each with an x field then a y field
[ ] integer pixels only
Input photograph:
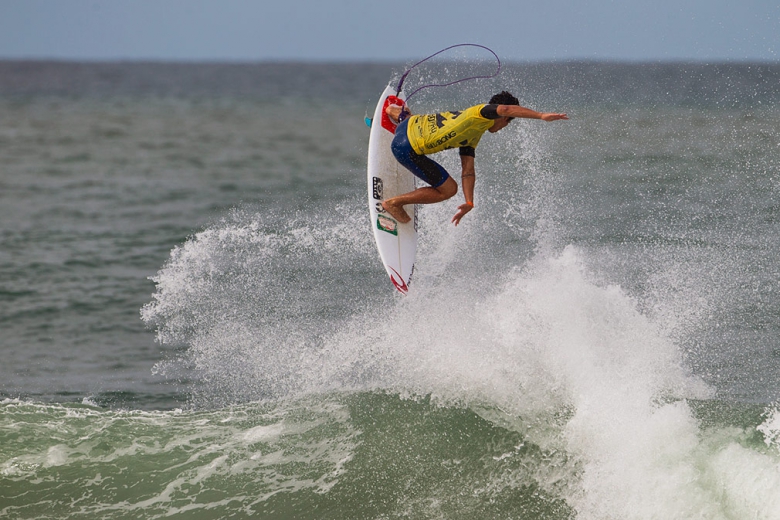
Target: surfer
[{"x": 420, "y": 135}]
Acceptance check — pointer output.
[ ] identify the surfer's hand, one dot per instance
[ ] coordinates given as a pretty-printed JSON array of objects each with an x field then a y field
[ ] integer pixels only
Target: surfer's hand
[
  {"x": 553, "y": 117},
  {"x": 395, "y": 112},
  {"x": 462, "y": 210}
]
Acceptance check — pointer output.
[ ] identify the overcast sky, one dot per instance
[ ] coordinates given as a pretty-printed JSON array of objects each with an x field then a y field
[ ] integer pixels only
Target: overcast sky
[{"x": 369, "y": 30}]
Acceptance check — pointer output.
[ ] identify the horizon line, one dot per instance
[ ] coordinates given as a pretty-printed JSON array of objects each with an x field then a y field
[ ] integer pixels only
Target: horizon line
[{"x": 379, "y": 61}]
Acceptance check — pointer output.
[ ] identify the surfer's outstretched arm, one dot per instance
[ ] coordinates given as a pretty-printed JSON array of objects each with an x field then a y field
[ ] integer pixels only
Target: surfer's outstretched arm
[
  {"x": 527, "y": 113},
  {"x": 468, "y": 178}
]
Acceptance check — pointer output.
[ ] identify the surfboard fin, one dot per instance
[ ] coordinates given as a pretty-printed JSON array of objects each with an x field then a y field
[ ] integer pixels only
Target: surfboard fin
[{"x": 368, "y": 121}]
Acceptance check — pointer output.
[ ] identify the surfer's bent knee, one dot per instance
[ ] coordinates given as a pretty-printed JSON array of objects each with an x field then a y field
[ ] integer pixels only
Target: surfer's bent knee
[{"x": 449, "y": 188}]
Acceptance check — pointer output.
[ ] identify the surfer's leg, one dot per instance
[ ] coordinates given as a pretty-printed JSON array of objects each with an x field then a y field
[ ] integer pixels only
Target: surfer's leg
[
  {"x": 424, "y": 195},
  {"x": 442, "y": 187}
]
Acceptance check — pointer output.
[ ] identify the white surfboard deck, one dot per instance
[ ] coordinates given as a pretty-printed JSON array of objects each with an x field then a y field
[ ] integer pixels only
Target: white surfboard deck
[{"x": 396, "y": 242}]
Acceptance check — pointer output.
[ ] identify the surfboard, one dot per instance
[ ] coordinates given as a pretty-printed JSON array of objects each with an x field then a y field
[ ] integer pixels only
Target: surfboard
[{"x": 396, "y": 242}]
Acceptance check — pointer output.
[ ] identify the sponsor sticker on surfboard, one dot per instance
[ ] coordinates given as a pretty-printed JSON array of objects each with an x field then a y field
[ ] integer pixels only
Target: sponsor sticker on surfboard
[{"x": 387, "y": 224}]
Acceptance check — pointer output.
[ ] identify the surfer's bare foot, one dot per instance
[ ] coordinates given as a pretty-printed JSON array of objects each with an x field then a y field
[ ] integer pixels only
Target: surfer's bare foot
[{"x": 398, "y": 212}]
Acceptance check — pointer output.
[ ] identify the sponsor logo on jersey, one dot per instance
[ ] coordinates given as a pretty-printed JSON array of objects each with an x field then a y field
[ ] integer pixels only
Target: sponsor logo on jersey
[{"x": 440, "y": 141}]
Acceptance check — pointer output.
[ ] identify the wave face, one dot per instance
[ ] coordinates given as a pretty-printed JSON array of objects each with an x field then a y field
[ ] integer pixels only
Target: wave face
[{"x": 383, "y": 455}]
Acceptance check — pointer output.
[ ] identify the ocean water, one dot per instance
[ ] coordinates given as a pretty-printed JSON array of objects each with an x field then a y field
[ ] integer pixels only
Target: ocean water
[{"x": 196, "y": 324}]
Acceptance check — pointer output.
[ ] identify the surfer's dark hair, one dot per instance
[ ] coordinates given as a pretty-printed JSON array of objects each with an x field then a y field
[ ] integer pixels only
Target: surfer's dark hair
[{"x": 504, "y": 98}]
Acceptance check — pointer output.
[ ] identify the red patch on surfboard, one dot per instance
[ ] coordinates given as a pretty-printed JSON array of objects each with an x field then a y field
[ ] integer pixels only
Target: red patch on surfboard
[{"x": 388, "y": 123}]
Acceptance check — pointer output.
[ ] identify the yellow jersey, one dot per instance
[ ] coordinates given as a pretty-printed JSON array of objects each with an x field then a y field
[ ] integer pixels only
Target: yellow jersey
[{"x": 431, "y": 133}]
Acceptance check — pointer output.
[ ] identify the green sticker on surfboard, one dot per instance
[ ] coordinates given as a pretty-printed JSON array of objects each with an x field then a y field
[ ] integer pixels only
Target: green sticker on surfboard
[{"x": 387, "y": 224}]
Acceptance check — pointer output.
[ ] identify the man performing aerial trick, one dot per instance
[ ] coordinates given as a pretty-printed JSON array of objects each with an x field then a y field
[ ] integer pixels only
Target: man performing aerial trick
[{"x": 420, "y": 135}]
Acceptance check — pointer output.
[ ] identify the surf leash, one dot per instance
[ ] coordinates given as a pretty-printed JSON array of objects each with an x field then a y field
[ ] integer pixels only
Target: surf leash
[{"x": 403, "y": 78}]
